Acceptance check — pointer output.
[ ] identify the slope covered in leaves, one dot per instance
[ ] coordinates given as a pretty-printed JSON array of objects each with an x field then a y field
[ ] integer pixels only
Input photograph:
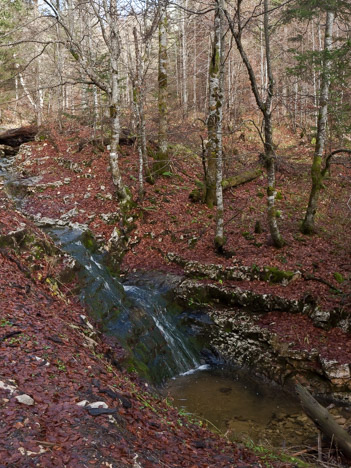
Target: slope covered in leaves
[{"x": 52, "y": 359}]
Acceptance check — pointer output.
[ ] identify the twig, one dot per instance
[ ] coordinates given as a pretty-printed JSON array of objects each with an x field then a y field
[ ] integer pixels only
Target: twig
[
  {"x": 8, "y": 335},
  {"x": 309, "y": 277}
]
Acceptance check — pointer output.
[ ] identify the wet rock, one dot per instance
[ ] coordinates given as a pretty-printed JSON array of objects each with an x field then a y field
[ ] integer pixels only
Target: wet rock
[
  {"x": 239, "y": 340},
  {"x": 208, "y": 293},
  {"x": 6, "y": 151},
  {"x": 335, "y": 370},
  {"x": 236, "y": 273},
  {"x": 70, "y": 214},
  {"x": 22, "y": 187}
]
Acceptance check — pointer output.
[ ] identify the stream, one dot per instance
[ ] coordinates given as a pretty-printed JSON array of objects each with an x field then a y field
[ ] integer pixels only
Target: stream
[{"x": 141, "y": 312}]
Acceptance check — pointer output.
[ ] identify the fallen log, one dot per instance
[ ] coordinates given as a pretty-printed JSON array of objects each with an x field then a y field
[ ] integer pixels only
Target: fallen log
[
  {"x": 242, "y": 178},
  {"x": 324, "y": 421},
  {"x": 126, "y": 138},
  {"x": 16, "y": 136}
]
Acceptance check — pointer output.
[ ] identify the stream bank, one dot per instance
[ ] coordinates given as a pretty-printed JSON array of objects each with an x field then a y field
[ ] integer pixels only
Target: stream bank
[
  {"x": 78, "y": 216},
  {"x": 321, "y": 360},
  {"x": 63, "y": 402}
]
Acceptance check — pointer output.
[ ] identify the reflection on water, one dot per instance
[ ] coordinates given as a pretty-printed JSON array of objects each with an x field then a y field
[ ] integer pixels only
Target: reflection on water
[{"x": 242, "y": 407}]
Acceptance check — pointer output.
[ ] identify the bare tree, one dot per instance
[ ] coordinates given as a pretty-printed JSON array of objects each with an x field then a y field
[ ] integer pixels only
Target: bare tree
[
  {"x": 308, "y": 225},
  {"x": 214, "y": 172},
  {"x": 107, "y": 16},
  {"x": 162, "y": 156},
  {"x": 237, "y": 27}
]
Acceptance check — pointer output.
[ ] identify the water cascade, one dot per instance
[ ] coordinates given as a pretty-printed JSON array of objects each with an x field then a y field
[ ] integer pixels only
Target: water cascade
[{"x": 141, "y": 315}]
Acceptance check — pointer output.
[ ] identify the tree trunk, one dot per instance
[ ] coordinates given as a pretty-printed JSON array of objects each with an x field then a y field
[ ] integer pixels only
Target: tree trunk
[
  {"x": 214, "y": 173},
  {"x": 214, "y": 115},
  {"x": 265, "y": 107},
  {"x": 121, "y": 190},
  {"x": 242, "y": 178},
  {"x": 162, "y": 163},
  {"x": 219, "y": 238},
  {"x": 268, "y": 138},
  {"x": 184, "y": 60},
  {"x": 324, "y": 421},
  {"x": 271, "y": 189},
  {"x": 308, "y": 225}
]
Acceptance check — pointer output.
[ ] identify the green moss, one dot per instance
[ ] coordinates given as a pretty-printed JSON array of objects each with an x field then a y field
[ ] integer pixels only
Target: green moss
[
  {"x": 274, "y": 275},
  {"x": 338, "y": 277},
  {"x": 89, "y": 241},
  {"x": 247, "y": 235},
  {"x": 270, "y": 191}
]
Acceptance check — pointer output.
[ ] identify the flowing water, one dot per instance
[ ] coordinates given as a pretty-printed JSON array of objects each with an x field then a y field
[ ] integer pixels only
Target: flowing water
[
  {"x": 163, "y": 347},
  {"x": 140, "y": 314}
]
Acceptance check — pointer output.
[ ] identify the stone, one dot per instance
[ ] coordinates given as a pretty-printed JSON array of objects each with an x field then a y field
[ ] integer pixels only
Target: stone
[
  {"x": 335, "y": 370},
  {"x": 97, "y": 404},
  {"x": 7, "y": 387},
  {"x": 83, "y": 403},
  {"x": 25, "y": 399},
  {"x": 320, "y": 318}
]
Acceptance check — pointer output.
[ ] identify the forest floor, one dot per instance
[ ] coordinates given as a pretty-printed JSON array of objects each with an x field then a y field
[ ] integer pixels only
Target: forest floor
[
  {"x": 167, "y": 221},
  {"x": 42, "y": 329},
  {"x": 52, "y": 358}
]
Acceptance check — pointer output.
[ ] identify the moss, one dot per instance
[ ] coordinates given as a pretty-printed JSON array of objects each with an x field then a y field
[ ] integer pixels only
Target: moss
[
  {"x": 247, "y": 235},
  {"x": 219, "y": 242},
  {"x": 274, "y": 275},
  {"x": 89, "y": 241},
  {"x": 270, "y": 191},
  {"x": 196, "y": 195},
  {"x": 338, "y": 277}
]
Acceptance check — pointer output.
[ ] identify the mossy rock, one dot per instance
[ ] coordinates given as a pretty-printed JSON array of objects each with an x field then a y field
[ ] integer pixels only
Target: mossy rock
[
  {"x": 274, "y": 275},
  {"x": 197, "y": 195},
  {"x": 89, "y": 241},
  {"x": 182, "y": 150}
]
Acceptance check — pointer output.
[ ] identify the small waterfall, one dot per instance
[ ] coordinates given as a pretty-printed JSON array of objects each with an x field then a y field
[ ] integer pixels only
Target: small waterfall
[{"x": 142, "y": 316}]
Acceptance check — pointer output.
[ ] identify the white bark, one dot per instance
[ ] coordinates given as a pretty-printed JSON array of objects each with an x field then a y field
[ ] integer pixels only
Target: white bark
[
  {"x": 163, "y": 84},
  {"x": 184, "y": 60},
  {"x": 308, "y": 225}
]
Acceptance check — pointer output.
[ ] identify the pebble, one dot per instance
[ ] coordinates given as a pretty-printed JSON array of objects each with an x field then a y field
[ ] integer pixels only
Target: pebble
[
  {"x": 97, "y": 404},
  {"x": 25, "y": 399}
]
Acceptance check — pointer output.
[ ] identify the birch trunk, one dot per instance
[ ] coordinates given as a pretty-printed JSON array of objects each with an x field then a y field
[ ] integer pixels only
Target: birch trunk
[
  {"x": 268, "y": 134},
  {"x": 162, "y": 163},
  {"x": 214, "y": 173},
  {"x": 265, "y": 107},
  {"x": 184, "y": 60},
  {"x": 114, "y": 106},
  {"x": 308, "y": 225},
  {"x": 138, "y": 102}
]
